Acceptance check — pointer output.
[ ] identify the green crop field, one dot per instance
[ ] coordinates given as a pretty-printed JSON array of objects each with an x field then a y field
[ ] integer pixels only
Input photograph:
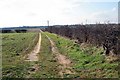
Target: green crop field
[{"x": 14, "y": 47}]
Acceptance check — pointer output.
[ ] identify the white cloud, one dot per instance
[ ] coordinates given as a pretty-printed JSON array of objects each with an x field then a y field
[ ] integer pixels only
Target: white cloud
[
  {"x": 101, "y": 16},
  {"x": 31, "y": 12},
  {"x": 37, "y": 12},
  {"x": 114, "y": 9}
]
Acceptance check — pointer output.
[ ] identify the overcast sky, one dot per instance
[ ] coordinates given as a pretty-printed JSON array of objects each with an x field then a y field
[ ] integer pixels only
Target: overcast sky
[{"x": 37, "y": 12}]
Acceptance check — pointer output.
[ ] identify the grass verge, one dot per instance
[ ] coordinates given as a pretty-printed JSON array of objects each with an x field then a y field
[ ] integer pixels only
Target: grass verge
[{"x": 88, "y": 62}]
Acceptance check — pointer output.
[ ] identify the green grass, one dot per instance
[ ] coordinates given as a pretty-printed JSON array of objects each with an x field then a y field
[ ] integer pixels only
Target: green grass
[
  {"x": 14, "y": 47},
  {"x": 14, "y": 65},
  {"x": 88, "y": 62},
  {"x": 47, "y": 62}
]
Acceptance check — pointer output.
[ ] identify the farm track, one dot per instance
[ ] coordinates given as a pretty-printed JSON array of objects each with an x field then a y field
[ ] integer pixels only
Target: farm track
[
  {"x": 33, "y": 55},
  {"x": 65, "y": 63}
]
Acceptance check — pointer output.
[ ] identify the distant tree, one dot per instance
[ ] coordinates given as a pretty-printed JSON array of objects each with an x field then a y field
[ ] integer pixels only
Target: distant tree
[
  {"x": 7, "y": 31},
  {"x": 21, "y": 31}
]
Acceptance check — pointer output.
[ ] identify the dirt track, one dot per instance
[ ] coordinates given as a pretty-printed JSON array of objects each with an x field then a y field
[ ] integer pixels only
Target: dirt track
[
  {"x": 65, "y": 63},
  {"x": 33, "y": 55}
]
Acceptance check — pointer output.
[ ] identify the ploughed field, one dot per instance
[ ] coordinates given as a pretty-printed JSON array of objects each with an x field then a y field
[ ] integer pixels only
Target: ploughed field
[{"x": 58, "y": 57}]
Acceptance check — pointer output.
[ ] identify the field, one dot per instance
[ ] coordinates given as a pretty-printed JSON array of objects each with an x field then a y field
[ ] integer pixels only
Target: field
[
  {"x": 14, "y": 48},
  {"x": 83, "y": 61}
]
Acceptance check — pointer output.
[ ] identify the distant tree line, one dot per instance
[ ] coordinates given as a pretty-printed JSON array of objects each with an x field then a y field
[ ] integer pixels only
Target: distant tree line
[
  {"x": 106, "y": 35},
  {"x": 14, "y": 31}
]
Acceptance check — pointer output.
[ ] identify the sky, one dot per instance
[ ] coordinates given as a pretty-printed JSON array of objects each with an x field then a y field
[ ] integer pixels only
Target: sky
[{"x": 15, "y": 13}]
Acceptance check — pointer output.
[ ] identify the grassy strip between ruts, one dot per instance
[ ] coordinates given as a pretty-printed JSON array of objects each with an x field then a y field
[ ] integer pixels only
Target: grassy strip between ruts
[
  {"x": 47, "y": 63},
  {"x": 14, "y": 47},
  {"x": 88, "y": 62}
]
